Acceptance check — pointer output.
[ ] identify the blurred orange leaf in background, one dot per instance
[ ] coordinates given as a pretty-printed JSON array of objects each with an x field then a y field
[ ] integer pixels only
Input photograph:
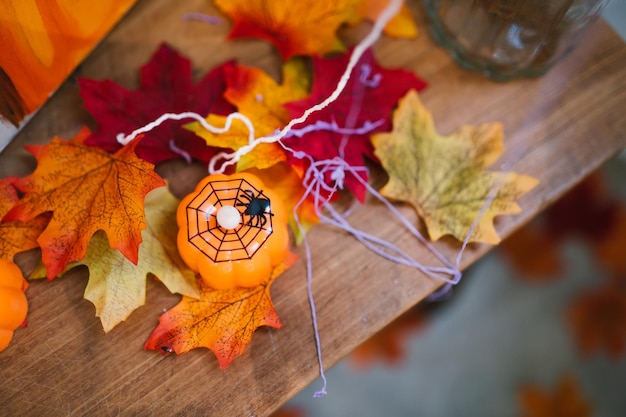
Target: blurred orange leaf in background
[
  {"x": 566, "y": 401},
  {"x": 598, "y": 319},
  {"x": 533, "y": 253}
]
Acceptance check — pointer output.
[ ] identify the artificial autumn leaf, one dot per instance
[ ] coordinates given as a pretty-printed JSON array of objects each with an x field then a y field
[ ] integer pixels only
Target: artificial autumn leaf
[
  {"x": 221, "y": 320},
  {"x": 389, "y": 344},
  {"x": 286, "y": 183},
  {"x": 17, "y": 236},
  {"x": 367, "y": 100},
  {"x": 166, "y": 87},
  {"x": 402, "y": 25},
  {"x": 533, "y": 253},
  {"x": 305, "y": 27},
  {"x": 444, "y": 177},
  {"x": 289, "y": 411},
  {"x": 567, "y": 401},
  {"x": 256, "y": 95},
  {"x": 610, "y": 251},
  {"x": 86, "y": 189},
  {"x": 116, "y": 286},
  {"x": 598, "y": 320},
  {"x": 588, "y": 210}
]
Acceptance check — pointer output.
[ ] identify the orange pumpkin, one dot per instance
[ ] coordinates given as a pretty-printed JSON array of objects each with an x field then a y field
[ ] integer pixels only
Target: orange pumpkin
[
  {"x": 13, "y": 303},
  {"x": 232, "y": 231}
]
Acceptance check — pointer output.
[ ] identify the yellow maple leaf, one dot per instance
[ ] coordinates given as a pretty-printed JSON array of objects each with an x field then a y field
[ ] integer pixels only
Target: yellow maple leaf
[
  {"x": 261, "y": 99},
  {"x": 444, "y": 177},
  {"x": 116, "y": 286}
]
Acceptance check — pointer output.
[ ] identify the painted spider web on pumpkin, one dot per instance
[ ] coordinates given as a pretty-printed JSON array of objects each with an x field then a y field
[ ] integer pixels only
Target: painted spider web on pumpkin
[{"x": 221, "y": 244}]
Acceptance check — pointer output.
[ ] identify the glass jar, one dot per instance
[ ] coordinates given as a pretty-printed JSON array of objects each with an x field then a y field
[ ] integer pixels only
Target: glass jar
[{"x": 507, "y": 39}]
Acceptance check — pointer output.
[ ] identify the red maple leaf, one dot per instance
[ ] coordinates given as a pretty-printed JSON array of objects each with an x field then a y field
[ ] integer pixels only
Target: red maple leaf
[
  {"x": 166, "y": 87},
  {"x": 368, "y": 99},
  {"x": 589, "y": 211}
]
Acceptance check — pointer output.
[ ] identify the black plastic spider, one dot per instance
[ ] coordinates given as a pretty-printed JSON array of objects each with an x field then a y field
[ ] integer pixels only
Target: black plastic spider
[{"x": 256, "y": 207}]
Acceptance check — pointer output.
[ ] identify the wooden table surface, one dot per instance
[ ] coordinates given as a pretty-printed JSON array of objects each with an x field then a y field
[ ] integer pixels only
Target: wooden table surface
[{"x": 558, "y": 128}]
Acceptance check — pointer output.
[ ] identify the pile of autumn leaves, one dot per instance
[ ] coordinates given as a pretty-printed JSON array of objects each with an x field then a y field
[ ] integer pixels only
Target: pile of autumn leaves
[{"x": 94, "y": 202}]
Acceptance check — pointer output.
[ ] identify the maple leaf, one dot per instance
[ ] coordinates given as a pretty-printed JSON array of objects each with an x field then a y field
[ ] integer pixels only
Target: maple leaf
[
  {"x": 17, "y": 236},
  {"x": 610, "y": 251},
  {"x": 368, "y": 99},
  {"x": 598, "y": 320},
  {"x": 86, "y": 189},
  {"x": 533, "y": 253},
  {"x": 587, "y": 210},
  {"x": 116, "y": 286},
  {"x": 256, "y": 95},
  {"x": 567, "y": 401},
  {"x": 305, "y": 27},
  {"x": 166, "y": 87},
  {"x": 221, "y": 320},
  {"x": 444, "y": 177},
  {"x": 402, "y": 25},
  {"x": 289, "y": 411}
]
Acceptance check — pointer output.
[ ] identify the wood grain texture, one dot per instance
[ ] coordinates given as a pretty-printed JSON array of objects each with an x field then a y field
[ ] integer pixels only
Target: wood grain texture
[{"x": 558, "y": 128}]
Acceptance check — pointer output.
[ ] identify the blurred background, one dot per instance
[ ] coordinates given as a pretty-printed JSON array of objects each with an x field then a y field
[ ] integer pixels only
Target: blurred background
[{"x": 537, "y": 328}]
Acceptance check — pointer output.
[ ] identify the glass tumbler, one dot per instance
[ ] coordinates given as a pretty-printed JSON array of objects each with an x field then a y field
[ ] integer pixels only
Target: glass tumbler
[{"x": 507, "y": 39}]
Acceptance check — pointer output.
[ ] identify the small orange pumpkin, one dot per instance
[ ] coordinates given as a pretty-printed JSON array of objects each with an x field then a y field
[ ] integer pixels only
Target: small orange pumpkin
[
  {"x": 232, "y": 230},
  {"x": 13, "y": 303}
]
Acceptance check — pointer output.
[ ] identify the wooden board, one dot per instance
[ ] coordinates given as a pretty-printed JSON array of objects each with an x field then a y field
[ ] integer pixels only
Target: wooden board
[{"x": 558, "y": 128}]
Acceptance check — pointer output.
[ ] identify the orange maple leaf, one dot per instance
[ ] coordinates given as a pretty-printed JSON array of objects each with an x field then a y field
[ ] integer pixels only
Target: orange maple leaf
[
  {"x": 86, "y": 189},
  {"x": 598, "y": 319},
  {"x": 610, "y": 249},
  {"x": 305, "y": 27},
  {"x": 567, "y": 401},
  {"x": 533, "y": 253},
  {"x": 221, "y": 320},
  {"x": 17, "y": 236},
  {"x": 261, "y": 99}
]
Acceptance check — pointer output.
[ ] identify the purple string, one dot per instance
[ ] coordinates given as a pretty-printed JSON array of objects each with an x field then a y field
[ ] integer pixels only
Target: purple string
[
  {"x": 210, "y": 19},
  {"x": 366, "y": 71},
  {"x": 179, "y": 151}
]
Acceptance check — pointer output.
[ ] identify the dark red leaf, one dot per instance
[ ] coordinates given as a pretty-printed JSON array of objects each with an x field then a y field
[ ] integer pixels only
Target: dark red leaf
[
  {"x": 369, "y": 97},
  {"x": 166, "y": 87},
  {"x": 588, "y": 211}
]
